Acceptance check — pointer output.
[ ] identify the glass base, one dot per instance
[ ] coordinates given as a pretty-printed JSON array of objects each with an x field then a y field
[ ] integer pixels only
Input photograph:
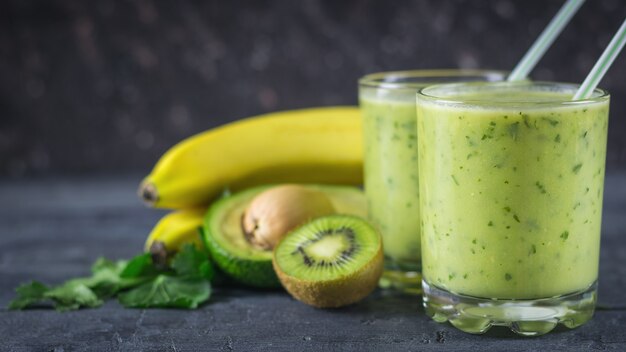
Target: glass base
[
  {"x": 405, "y": 278},
  {"x": 531, "y": 317}
]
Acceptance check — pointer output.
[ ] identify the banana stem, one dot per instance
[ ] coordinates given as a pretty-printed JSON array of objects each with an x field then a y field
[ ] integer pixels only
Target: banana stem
[{"x": 148, "y": 193}]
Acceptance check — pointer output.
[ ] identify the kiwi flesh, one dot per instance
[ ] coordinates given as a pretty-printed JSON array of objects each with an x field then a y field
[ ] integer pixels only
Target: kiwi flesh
[{"x": 331, "y": 261}]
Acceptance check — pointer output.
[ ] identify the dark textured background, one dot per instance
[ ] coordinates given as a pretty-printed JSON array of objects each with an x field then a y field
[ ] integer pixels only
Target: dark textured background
[{"x": 107, "y": 86}]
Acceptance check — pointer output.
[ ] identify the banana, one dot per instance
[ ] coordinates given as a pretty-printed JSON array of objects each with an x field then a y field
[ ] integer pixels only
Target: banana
[
  {"x": 317, "y": 145},
  {"x": 176, "y": 229}
]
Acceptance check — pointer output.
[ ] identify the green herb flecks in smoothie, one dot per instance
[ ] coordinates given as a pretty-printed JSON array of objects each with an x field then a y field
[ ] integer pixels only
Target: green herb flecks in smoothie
[
  {"x": 525, "y": 217},
  {"x": 576, "y": 168},
  {"x": 391, "y": 175},
  {"x": 541, "y": 187},
  {"x": 513, "y": 130}
]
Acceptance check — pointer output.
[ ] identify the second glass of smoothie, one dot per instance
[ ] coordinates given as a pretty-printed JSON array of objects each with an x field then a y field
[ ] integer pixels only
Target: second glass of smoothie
[
  {"x": 387, "y": 102},
  {"x": 511, "y": 183}
]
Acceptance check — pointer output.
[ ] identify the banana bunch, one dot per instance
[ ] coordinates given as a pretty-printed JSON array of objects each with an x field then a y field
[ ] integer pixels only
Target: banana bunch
[{"x": 317, "y": 145}]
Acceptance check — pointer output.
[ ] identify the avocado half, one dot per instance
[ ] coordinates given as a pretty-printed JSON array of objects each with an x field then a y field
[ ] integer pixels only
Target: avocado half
[{"x": 232, "y": 252}]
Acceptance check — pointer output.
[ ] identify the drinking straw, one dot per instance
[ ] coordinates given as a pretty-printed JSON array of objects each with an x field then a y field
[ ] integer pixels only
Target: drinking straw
[
  {"x": 547, "y": 37},
  {"x": 603, "y": 64}
]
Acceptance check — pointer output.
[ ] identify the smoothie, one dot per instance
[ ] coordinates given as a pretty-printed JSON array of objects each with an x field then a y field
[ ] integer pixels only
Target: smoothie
[
  {"x": 391, "y": 177},
  {"x": 511, "y": 192}
]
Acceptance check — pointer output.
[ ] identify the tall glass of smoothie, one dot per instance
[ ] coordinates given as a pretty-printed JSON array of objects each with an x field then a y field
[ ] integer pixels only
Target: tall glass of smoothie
[
  {"x": 511, "y": 181},
  {"x": 387, "y": 101}
]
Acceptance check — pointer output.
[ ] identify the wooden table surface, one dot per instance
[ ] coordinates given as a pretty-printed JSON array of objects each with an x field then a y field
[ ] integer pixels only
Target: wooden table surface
[{"x": 53, "y": 229}]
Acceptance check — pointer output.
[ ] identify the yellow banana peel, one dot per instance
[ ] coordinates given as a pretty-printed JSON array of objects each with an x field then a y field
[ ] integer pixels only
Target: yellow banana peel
[
  {"x": 317, "y": 145},
  {"x": 177, "y": 229}
]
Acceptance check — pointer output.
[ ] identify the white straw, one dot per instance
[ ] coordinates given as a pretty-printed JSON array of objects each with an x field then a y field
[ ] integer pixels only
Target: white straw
[
  {"x": 545, "y": 40},
  {"x": 602, "y": 65}
]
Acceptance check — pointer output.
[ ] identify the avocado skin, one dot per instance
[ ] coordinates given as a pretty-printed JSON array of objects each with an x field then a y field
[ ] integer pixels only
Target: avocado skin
[{"x": 248, "y": 272}]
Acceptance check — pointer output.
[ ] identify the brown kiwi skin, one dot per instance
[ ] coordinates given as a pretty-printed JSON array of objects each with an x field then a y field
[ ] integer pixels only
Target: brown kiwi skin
[{"x": 338, "y": 292}]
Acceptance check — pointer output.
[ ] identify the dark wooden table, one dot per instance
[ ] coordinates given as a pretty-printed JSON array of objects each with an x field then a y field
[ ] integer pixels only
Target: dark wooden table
[{"x": 51, "y": 230}]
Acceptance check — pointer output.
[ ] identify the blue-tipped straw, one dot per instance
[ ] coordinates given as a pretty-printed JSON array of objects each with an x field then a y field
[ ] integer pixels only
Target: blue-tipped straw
[
  {"x": 545, "y": 40},
  {"x": 602, "y": 65}
]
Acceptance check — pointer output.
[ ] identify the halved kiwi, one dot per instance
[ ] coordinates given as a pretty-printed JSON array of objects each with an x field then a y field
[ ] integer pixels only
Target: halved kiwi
[
  {"x": 235, "y": 255},
  {"x": 331, "y": 261}
]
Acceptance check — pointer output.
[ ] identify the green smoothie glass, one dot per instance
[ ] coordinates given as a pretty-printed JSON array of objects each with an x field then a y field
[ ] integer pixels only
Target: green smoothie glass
[
  {"x": 511, "y": 183},
  {"x": 387, "y": 101}
]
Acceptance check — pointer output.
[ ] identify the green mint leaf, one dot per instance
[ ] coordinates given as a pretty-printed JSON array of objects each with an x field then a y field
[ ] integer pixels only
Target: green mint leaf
[
  {"x": 28, "y": 294},
  {"x": 192, "y": 262},
  {"x": 137, "y": 283},
  {"x": 207, "y": 271},
  {"x": 72, "y": 295},
  {"x": 107, "y": 278},
  {"x": 103, "y": 264},
  {"x": 90, "y": 291},
  {"x": 168, "y": 292},
  {"x": 139, "y": 266}
]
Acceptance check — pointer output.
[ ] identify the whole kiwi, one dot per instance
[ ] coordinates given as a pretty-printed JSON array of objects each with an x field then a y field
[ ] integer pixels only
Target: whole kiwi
[{"x": 278, "y": 210}]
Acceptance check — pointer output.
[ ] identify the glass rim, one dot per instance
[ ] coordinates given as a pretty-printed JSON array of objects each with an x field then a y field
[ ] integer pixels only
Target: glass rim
[
  {"x": 427, "y": 94},
  {"x": 390, "y": 79}
]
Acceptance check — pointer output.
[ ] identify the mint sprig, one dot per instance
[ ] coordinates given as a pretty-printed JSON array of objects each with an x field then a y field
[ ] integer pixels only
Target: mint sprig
[
  {"x": 137, "y": 283},
  {"x": 168, "y": 292}
]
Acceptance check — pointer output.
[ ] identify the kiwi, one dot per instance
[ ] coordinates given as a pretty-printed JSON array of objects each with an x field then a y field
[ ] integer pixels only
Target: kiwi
[
  {"x": 235, "y": 255},
  {"x": 331, "y": 261},
  {"x": 277, "y": 211}
]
